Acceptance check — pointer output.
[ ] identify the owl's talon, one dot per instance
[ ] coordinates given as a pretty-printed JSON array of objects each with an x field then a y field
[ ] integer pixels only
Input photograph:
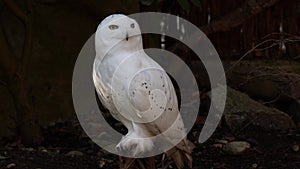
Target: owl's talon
[{"x": 134, "y": 146}]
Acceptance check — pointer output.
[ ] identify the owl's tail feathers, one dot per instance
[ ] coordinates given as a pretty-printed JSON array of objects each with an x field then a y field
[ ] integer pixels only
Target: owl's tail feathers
[
  {"x": 182, "y": 159},
  {"x": 181, "y": 154}
]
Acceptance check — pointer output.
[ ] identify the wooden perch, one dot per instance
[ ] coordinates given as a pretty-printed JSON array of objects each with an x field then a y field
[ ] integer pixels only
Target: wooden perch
[{"x": 237, "y": 17}]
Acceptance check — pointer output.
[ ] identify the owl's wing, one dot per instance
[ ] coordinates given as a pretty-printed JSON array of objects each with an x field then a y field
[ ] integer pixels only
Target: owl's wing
[
  {"x": 152, "y": 94},
  {"x": 103, "y": 89}
]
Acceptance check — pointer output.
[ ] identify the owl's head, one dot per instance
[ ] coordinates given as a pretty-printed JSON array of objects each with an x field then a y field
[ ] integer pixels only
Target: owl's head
[{"x": 117, "y": 30}]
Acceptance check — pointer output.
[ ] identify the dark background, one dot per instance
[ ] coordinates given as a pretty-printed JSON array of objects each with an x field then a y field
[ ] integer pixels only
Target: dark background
[{"x": 41, "y": 39}]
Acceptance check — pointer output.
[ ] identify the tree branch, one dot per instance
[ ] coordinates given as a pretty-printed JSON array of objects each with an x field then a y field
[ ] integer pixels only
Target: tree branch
[
  {"x": 8, "y": 61},
  {"x": 16, "y": 11},
  {"x": 28, "y": 35},
  {"x": 26, "y": 20}
]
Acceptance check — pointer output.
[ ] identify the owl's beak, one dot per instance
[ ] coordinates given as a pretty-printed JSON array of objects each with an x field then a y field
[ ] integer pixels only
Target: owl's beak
[{"x": 127, "y": 36}]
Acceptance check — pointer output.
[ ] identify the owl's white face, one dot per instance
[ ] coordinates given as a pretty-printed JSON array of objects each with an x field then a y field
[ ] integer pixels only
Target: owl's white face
[{"x": 118, "y": 30}]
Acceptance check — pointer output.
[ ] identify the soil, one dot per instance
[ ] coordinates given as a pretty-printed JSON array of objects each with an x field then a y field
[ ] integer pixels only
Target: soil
[{"x": 268, "y": 150}]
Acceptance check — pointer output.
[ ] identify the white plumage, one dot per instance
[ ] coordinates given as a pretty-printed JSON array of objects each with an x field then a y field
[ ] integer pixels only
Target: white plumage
[{"x": 136, "y": 90}]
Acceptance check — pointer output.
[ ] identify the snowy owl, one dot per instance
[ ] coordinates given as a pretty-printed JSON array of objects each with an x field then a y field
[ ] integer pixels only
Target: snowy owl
[{"x": 137, "y": 91}]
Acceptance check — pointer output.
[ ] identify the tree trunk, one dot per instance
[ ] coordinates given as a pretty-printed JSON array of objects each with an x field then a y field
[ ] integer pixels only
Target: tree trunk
[{"x": 14, "y": 72}]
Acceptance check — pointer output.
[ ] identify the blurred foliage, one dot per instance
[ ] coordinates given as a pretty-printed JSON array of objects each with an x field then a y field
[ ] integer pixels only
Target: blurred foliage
[
  {"x": 147, "y": 2},
  {"x": 197, "y": 3},
  {"x": 185, "y": 4}
]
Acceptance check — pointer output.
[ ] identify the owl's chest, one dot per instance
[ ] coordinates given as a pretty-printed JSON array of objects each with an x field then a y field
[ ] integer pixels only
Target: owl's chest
[
  {"x": 114, "y": 78},
  {"x": 122, "y": 68}
]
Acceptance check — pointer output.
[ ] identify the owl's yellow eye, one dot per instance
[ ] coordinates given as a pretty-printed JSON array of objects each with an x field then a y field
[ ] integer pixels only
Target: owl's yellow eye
[
  {"x": 132, "y": 25},
  {"x": 113, "y": 27}
]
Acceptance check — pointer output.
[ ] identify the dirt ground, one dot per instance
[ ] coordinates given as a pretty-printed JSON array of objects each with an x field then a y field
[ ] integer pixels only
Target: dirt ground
[{"x": 66, "y": 147}]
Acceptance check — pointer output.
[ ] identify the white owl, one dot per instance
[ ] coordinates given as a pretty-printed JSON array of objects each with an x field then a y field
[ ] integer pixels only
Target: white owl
[{"x": 137, "y": 91}]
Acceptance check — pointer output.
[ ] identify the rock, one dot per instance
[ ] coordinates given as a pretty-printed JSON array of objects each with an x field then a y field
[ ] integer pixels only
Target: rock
[
  {"x": 29, "y": 149},
  {"x": 241, "y": 112},
  {"x": 74, "y": 153},
  {"x": 218, "y": 145},
  {"x": 42, "y": 149},
  {"x": 102, "y": 163},
  {"x": 11, "y": 165},
  {"x": 110, "y": 161},
  {"x": 236, "y": 147},
  {"x": 296, "y": 148},
  {"x": 254, "y": 165},
  {"x": 222, "y": 141},
  {"x": 3, "y": 157}
]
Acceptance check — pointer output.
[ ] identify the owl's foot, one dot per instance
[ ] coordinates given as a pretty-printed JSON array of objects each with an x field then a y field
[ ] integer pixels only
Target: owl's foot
[{"x": 134, "y": 146}]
